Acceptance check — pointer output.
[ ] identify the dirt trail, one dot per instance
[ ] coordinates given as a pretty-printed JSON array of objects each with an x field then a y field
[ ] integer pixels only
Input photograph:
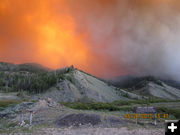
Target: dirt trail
[{"x": 99, "y": 131}]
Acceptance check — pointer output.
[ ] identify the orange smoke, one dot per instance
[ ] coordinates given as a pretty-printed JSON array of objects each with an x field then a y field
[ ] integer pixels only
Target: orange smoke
[
  {"x": 33, "y": 32},
  {"x": 102, "y": 37},
  {"x": 44, "y": 32}
]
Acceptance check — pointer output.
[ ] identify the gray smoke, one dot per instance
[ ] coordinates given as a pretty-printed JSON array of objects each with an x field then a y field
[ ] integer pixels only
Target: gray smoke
[{"x": 140, "y": 37}]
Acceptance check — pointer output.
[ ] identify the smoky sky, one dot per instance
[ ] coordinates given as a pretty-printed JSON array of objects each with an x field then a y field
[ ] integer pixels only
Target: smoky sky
[{"x": 108, "y": 37}]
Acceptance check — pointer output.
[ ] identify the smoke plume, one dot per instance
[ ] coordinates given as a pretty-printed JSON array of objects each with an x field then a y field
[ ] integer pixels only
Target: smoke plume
[{"x": 104, "y": 37}]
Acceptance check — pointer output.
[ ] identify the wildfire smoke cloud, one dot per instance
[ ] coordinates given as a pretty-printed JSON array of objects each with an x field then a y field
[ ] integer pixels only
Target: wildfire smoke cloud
[{"x": 103, "y": 37}]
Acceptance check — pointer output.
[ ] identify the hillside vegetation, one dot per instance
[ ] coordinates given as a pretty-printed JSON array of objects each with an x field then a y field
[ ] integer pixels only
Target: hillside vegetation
[
  {"x": 70, "y": 84},
  {"x": 67, "y": 84},
  {"x": 28, "y": 77}
]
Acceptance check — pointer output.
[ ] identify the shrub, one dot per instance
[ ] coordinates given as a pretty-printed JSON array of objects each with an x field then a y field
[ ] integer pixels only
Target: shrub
[
  {"x": 172, "y": 111},
  {"x": 71, "y": 79},
  {"x": 97, "y": 106},
  {"x": 114, "y": 106}
]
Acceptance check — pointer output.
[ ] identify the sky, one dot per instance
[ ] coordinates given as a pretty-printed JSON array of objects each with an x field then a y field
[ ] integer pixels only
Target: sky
[{"x": 106, "y": 38}]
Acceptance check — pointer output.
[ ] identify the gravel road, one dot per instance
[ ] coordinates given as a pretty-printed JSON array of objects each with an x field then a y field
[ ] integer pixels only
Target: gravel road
[{"x": 100, "y": 131}]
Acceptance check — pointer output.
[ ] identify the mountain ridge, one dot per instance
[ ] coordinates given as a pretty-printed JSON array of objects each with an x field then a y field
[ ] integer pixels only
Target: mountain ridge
[
  {"x": 70, "y": 84},
  {"x": 130, "y": 80}
]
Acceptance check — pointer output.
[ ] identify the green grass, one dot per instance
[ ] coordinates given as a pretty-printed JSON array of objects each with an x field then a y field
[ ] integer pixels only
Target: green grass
[
  {"x": 147, "y": 101},
  {"x": 6, "y": 103},
  {"x": 26, "y": 130},
  {"x": 98, "y": 106},
  {"x": 125, "y": 106},
  {"x": 175, "y": 112},
  {"x": 114, "y": 106}
]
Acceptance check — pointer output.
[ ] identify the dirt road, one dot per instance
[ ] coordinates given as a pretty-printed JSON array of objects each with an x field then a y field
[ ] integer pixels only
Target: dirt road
[{"x": 99, "y": 131}]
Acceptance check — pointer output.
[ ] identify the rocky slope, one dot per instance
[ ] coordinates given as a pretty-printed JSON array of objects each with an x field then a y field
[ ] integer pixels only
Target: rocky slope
[
  {"x": 79, "y": 86},
  {"x": 70, "y": 84},
  {"x": 161, "y": 90},
  {"x": 149, "y": 86},
  {"x": 67, "y": 84}
]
